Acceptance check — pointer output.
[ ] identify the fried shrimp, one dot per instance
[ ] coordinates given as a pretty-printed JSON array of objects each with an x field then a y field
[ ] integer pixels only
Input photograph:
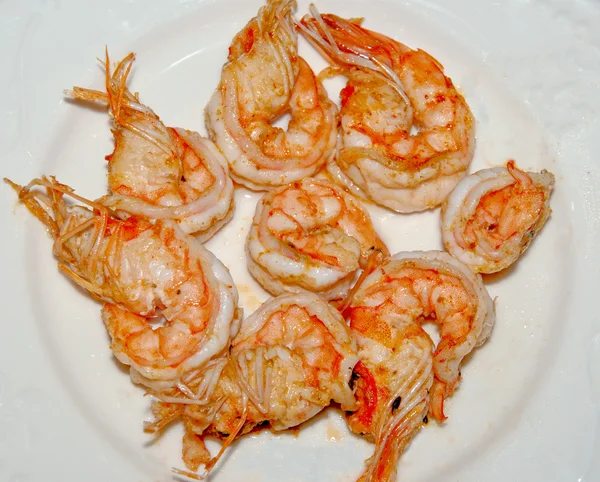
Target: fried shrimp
[
  {"x": 492, "y": 216},
  {"x": 310, "y": 235},
  {"x": 156, "y": 171},
  {"x": 263, "y": 80},
  {"x": 408, "y": 135},
  {"x": 290, "y": 359},
  {"x": 401, "y": 376},
  {"x": 170, "y": 305}
]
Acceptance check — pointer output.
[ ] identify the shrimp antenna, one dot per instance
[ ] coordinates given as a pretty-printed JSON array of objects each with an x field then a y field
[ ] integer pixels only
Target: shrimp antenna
[
  {"x": 126, "y": 109},
  {"x": 247, "y": 390},
  {"x": 45, "y": 206},
  {"x": 319, "y": 35}
]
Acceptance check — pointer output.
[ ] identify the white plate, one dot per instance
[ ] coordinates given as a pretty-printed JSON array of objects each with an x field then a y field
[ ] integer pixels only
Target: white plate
[{"x": 529, "y": 404}]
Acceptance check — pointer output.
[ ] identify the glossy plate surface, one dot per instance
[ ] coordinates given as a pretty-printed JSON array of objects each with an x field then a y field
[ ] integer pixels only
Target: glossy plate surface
[{"x": 529, "y": 404}]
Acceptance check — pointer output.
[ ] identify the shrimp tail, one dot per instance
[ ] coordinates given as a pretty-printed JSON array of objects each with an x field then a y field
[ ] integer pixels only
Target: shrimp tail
[
  {"x": 195, "y": 452},
  {"x": 164, "y": 414},
  {"x": 439, "y": 392},
  {"x": 436, "y": 410}
]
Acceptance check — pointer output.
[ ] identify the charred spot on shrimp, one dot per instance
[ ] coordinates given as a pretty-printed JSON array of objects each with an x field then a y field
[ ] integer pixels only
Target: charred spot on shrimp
[{"x": 353, "y": 378}]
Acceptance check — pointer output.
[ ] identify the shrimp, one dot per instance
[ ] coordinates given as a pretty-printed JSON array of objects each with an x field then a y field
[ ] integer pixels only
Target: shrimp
[
  {"x": 492, "y": 216},
  {"x": 400, "y": 377},
  {"x": 290, "y": 359},
  {"x": 169, "y": 304},
  {"x": 263, "y": 80},
  {"x": 310, "y": 235},
  {"x": 156, "y": 171},
  {"x": 408, "y": 135}
]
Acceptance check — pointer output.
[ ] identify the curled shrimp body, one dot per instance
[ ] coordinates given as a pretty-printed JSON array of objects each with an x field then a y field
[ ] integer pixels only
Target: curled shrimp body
[
  {"x": 170, "y": 305},
  {"x": 402, "y": 376},
  {"x": 492, "y": 216},
  {"x": 314, "y": 368},
  {"x": 310, "y": 235},
  {"x": 289, "y": 360},
  {"x": 157, "y": 171},
  {"x": 263, "y": 80},
  {"x": 407, "y": 134}
]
